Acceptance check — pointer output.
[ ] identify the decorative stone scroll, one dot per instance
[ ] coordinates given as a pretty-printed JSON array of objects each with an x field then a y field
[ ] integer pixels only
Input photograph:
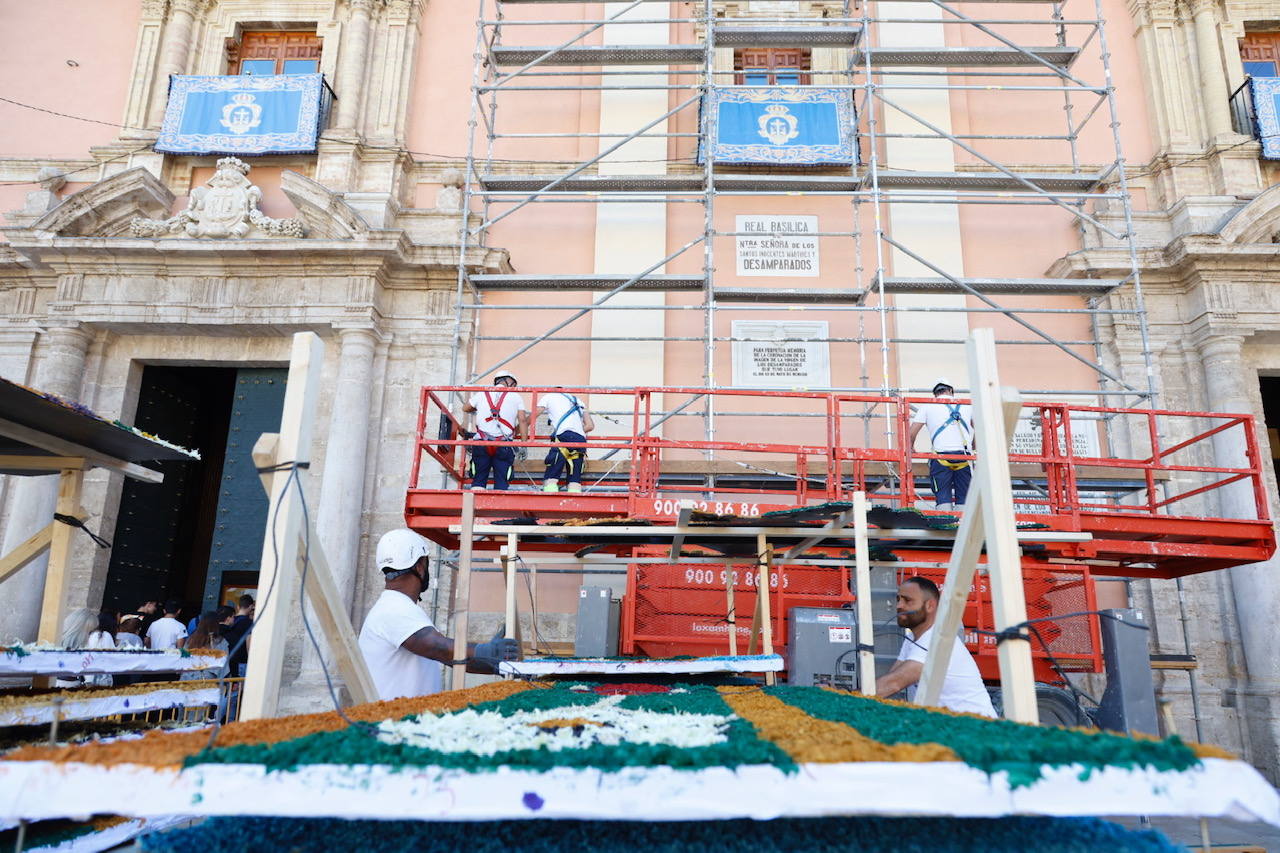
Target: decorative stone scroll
[{"x": 226, "y": 208}]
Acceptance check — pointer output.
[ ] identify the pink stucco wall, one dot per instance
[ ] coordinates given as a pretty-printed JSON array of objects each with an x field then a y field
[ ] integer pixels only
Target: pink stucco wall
[{"x": 99, "y": 37}]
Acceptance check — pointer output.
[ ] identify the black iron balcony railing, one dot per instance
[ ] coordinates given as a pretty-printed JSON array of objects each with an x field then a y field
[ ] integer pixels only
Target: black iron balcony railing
[{"x": 1243, "y": 119}]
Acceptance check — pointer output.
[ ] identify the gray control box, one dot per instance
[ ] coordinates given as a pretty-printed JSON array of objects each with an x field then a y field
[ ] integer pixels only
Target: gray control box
[
  {"x": 596, "y": 635},
  {"x": 822, "y": 648},
  {"x": 1129, "y": 702}
]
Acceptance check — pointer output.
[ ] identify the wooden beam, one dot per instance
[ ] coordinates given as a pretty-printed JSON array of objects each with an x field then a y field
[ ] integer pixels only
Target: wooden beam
[
  {"x": 765, "y": 557},
  {"x": 322, "y": 593},
  {"x": 682, "y": 521},
  {"x": 13, "y": 462},
  {"x": 512, "y": 552},
  {"x": 840, "y": 522},
  {"x": 955, "y": 592},
  {"x": 462, "y": 591},
  {"x": 604, "y": 531},
  {"x": 34, "y": 546},
  {"x": 862, "y": 587},
  {"x": 276, "y": 577},
  {"x": 731, "y": 609},
  {"x": 54, "y": 606},
  {"x": 61, "y": 447}
]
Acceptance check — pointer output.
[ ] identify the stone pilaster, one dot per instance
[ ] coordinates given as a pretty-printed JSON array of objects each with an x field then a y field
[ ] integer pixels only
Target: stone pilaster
[
  {"x": 352, "y": 64},
  {"x": 1214, "y": 92},
  {"x": 175, "y": 48},
  {"x": 60, "y": 358}
]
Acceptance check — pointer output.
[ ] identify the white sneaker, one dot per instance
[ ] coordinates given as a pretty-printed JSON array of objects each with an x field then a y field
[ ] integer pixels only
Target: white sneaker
[
  {"x": 575, "y": 487},
  {"x": 551, "y": 486}
]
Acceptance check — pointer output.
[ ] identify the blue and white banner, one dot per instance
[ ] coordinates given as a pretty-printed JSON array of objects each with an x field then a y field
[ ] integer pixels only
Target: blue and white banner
[
  {"x": 249, "y": 114},
  {"x": 1266, "y": 112},
  {"x": 796, "y": 125}
]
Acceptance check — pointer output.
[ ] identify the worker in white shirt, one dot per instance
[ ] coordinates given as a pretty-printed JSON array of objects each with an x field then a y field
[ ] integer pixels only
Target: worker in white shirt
[
  {"x": 950, "y": 426},
  {"x": 570, "y": 423},
  {"x": 401, "y": 646},
  {"x": 962, "y": 688},
  {"x": 500, "y": 416}
]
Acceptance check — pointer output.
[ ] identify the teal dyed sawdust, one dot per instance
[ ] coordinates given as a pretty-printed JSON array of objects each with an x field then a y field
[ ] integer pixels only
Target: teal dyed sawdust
[
  {"x": 990, "y": 745},
  {"x": 357, "y": 745},
  {"x": 786, "y": 835}
]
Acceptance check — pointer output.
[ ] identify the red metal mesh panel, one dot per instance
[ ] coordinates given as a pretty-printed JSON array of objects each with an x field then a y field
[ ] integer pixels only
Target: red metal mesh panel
[{"x": 682, "y": 609}]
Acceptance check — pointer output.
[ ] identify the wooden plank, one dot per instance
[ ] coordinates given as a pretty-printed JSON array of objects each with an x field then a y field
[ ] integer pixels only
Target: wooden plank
[
  {"x": 512, "y": 611},
  {"x": 840, "y": 522},
  {"x": 322, "y": 593},
  {"x": 682, "y": 521},
  {"x": 280, "y": 546},
  {"x": 862, "y": 587},
  {"x": 54, "y": 607},
  {"x": 462, "y": 589},
  {"x": 1004, "y": 557},
  {"x": 955, "y": 592},
  {"x": 61, "y": 447},
  {"x": 11, "y": 463},
  {"x": 603, "y": 531},
  {"x": 762, "y": 596},
  {"x": 731, "y": 610},
  {"x": 25, "y": 552}
]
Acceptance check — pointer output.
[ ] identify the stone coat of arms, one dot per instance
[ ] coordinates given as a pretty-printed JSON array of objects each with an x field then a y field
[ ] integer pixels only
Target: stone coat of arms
[{"x": 226, "y": 208}]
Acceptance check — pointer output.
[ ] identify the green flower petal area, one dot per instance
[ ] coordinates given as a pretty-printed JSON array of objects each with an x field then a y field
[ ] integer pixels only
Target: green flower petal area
[
  {"x": 507, "y": 733},
  {"x": 826, "y": 835},
  {"x": 990, "y": 745}
]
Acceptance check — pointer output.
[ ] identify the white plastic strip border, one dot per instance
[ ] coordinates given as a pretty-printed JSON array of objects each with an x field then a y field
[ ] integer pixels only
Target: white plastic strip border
[
  {"x": 1219, "y": 788},
  {"x": 74, "y": 708},
  {"x": 604, "y": 666},
  {"x": 112, "y": 836},
  {"x": 94, "y": 662}
]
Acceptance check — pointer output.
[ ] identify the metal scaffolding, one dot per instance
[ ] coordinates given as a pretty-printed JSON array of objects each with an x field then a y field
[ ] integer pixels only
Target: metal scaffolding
[{"x": 1033, "y": 54}]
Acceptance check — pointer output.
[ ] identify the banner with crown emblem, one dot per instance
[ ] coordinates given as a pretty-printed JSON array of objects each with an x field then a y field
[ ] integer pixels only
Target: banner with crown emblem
[
  {"x": 250, "y": 114},
  {"x": 797, "y": 125},
  {"x": 1266, "y": 111}
]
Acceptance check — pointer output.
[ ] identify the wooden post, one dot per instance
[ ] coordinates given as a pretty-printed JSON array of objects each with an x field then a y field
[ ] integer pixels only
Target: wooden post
[
  {"x": 54, "y": 606},
  {"x": 34, "y": 546},
  {"x": 509, "y": 562},
  {"x": 988, "y": 517},
  {"x": 862, "y": 584},
  {"x": 732, "y": 610},
  {"x": 762, "y": 596},
  {"x": 462, "y": 592},
  {"x": 277, "y": 579},
  {"x": 533, "y": 604},
  {"x": 322, "y": 593}
]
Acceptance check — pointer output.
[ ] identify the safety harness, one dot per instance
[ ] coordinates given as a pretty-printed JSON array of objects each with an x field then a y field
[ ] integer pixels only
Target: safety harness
[
  {"x": 569, "y": 453},
  {"x": 495, "y": 414},
  {"x": 953, "y": 417}
]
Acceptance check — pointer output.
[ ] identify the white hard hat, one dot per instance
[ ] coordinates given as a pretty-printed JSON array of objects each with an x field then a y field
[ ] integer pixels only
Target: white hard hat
[
  {"x": 400, "y": 549},
  {"x": 942, "y": 380}
]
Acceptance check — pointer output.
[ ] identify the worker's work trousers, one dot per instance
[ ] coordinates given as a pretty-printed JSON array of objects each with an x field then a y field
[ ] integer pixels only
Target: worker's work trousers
[
  {"x": 501, "y": 463},
  {"x": 556, "y": 461},
  {"x": 950, "y": 485}
]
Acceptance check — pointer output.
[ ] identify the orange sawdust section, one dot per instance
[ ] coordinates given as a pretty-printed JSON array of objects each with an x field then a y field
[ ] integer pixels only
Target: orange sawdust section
[
  {"x": 565, "y": 723},
  {"x": 808, "y": 739},
  {"x": 1201, "y": 750},
  {"x": 169, "y": 749}
]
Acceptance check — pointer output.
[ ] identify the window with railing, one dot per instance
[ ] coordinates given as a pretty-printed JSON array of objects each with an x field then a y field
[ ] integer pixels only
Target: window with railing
[{"x": 1255, "y": 105}]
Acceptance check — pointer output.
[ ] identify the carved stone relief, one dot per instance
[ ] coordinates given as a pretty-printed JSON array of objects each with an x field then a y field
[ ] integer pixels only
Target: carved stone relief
[{"x": 226, "y": 208}]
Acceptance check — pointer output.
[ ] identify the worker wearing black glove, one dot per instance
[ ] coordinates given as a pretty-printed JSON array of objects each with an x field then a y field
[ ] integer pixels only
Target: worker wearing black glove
[{"x": 495, "y": 651}]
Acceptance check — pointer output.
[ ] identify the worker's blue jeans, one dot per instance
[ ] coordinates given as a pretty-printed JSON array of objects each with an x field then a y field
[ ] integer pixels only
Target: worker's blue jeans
[
  {"x": 500, "y": 463},
  {"x": 556, "y": 460},
  {"x": 950, "y": 486}
]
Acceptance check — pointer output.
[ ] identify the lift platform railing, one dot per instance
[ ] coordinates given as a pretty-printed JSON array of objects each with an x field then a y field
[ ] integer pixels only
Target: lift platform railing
[{"x": 809, "y": 447}]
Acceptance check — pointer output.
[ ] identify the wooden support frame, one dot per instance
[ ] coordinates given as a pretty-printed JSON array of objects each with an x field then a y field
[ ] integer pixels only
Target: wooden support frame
[
  {"x": 54, "y": 606},
  {"x": 862, "y": 588},
  {"x": 510, "y": 561},
  {"x": 731, "y": 609},
  {"x": 35, "y": 545},
  {"x": 90, "y": 458},
  {"x": 462, "y": 590},
  {"x": 988, "y": 518},
  {"x": 761, "y": 620},
  {"x": 282, "y": 551}
]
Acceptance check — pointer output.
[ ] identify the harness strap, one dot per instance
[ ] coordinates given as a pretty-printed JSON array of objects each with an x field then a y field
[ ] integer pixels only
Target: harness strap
[
  {"x": 574, "y": 406},
  {"x": 953, "y": 416},
  {"x": 495, "y": 413}
]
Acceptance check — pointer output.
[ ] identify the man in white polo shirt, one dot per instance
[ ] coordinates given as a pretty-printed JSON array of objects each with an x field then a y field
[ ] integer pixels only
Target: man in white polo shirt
[
  {"x": 962, "y": 689},
  {"x": 401, "y": 646}
]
